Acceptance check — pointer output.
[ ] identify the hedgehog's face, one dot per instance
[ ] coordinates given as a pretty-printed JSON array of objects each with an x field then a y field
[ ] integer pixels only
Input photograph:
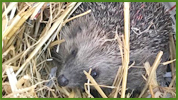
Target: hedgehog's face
[
  {"x": 104, "y": 67},
  {"x": 86, "y": 47}
]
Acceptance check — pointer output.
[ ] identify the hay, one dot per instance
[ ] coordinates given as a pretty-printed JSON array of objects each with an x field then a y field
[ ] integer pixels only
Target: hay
[
  {"x": 126, "y": 60},
  {"x": 24, "y": 50},
  {"x": 26, "y": 42}
]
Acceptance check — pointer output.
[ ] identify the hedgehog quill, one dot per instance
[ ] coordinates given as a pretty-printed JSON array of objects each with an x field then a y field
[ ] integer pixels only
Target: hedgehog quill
[{"x": 87, "y": 43}]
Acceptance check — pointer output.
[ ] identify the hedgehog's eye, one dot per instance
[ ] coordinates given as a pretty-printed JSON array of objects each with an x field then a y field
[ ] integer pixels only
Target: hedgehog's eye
[
  {"x": 74, "y": 52},
  {"x": 94, "y": 73}
]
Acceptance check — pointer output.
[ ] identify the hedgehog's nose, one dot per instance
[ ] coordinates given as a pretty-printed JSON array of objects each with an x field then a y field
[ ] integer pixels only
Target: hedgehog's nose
[{"x": 62, "y": 80}]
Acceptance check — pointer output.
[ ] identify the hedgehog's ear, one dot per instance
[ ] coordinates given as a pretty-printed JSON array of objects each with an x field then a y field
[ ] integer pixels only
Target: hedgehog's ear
[
  {"x": 53, "y": 52},
  {"x": 57, "y": 61},
  {"x": 56, "y": 57}
]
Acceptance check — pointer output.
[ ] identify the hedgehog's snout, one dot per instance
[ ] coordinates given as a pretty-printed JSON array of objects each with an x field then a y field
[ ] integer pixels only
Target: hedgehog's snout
[{"x": 62, "y": 80}]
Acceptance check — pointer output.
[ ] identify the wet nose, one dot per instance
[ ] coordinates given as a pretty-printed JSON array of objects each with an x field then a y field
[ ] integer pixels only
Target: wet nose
[{"x": 62, "y": 80}]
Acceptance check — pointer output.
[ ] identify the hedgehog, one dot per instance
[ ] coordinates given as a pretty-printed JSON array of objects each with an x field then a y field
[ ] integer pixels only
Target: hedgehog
[{"x": 89, "y": 43}]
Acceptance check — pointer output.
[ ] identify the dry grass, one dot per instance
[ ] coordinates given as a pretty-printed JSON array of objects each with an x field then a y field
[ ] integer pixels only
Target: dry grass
[{"x": 26, "y": 42}]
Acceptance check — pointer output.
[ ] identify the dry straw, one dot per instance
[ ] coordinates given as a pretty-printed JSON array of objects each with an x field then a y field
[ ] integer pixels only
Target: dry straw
[
  {"x": 126, "y": 45},
  {"x": 27, "y": 38}
]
